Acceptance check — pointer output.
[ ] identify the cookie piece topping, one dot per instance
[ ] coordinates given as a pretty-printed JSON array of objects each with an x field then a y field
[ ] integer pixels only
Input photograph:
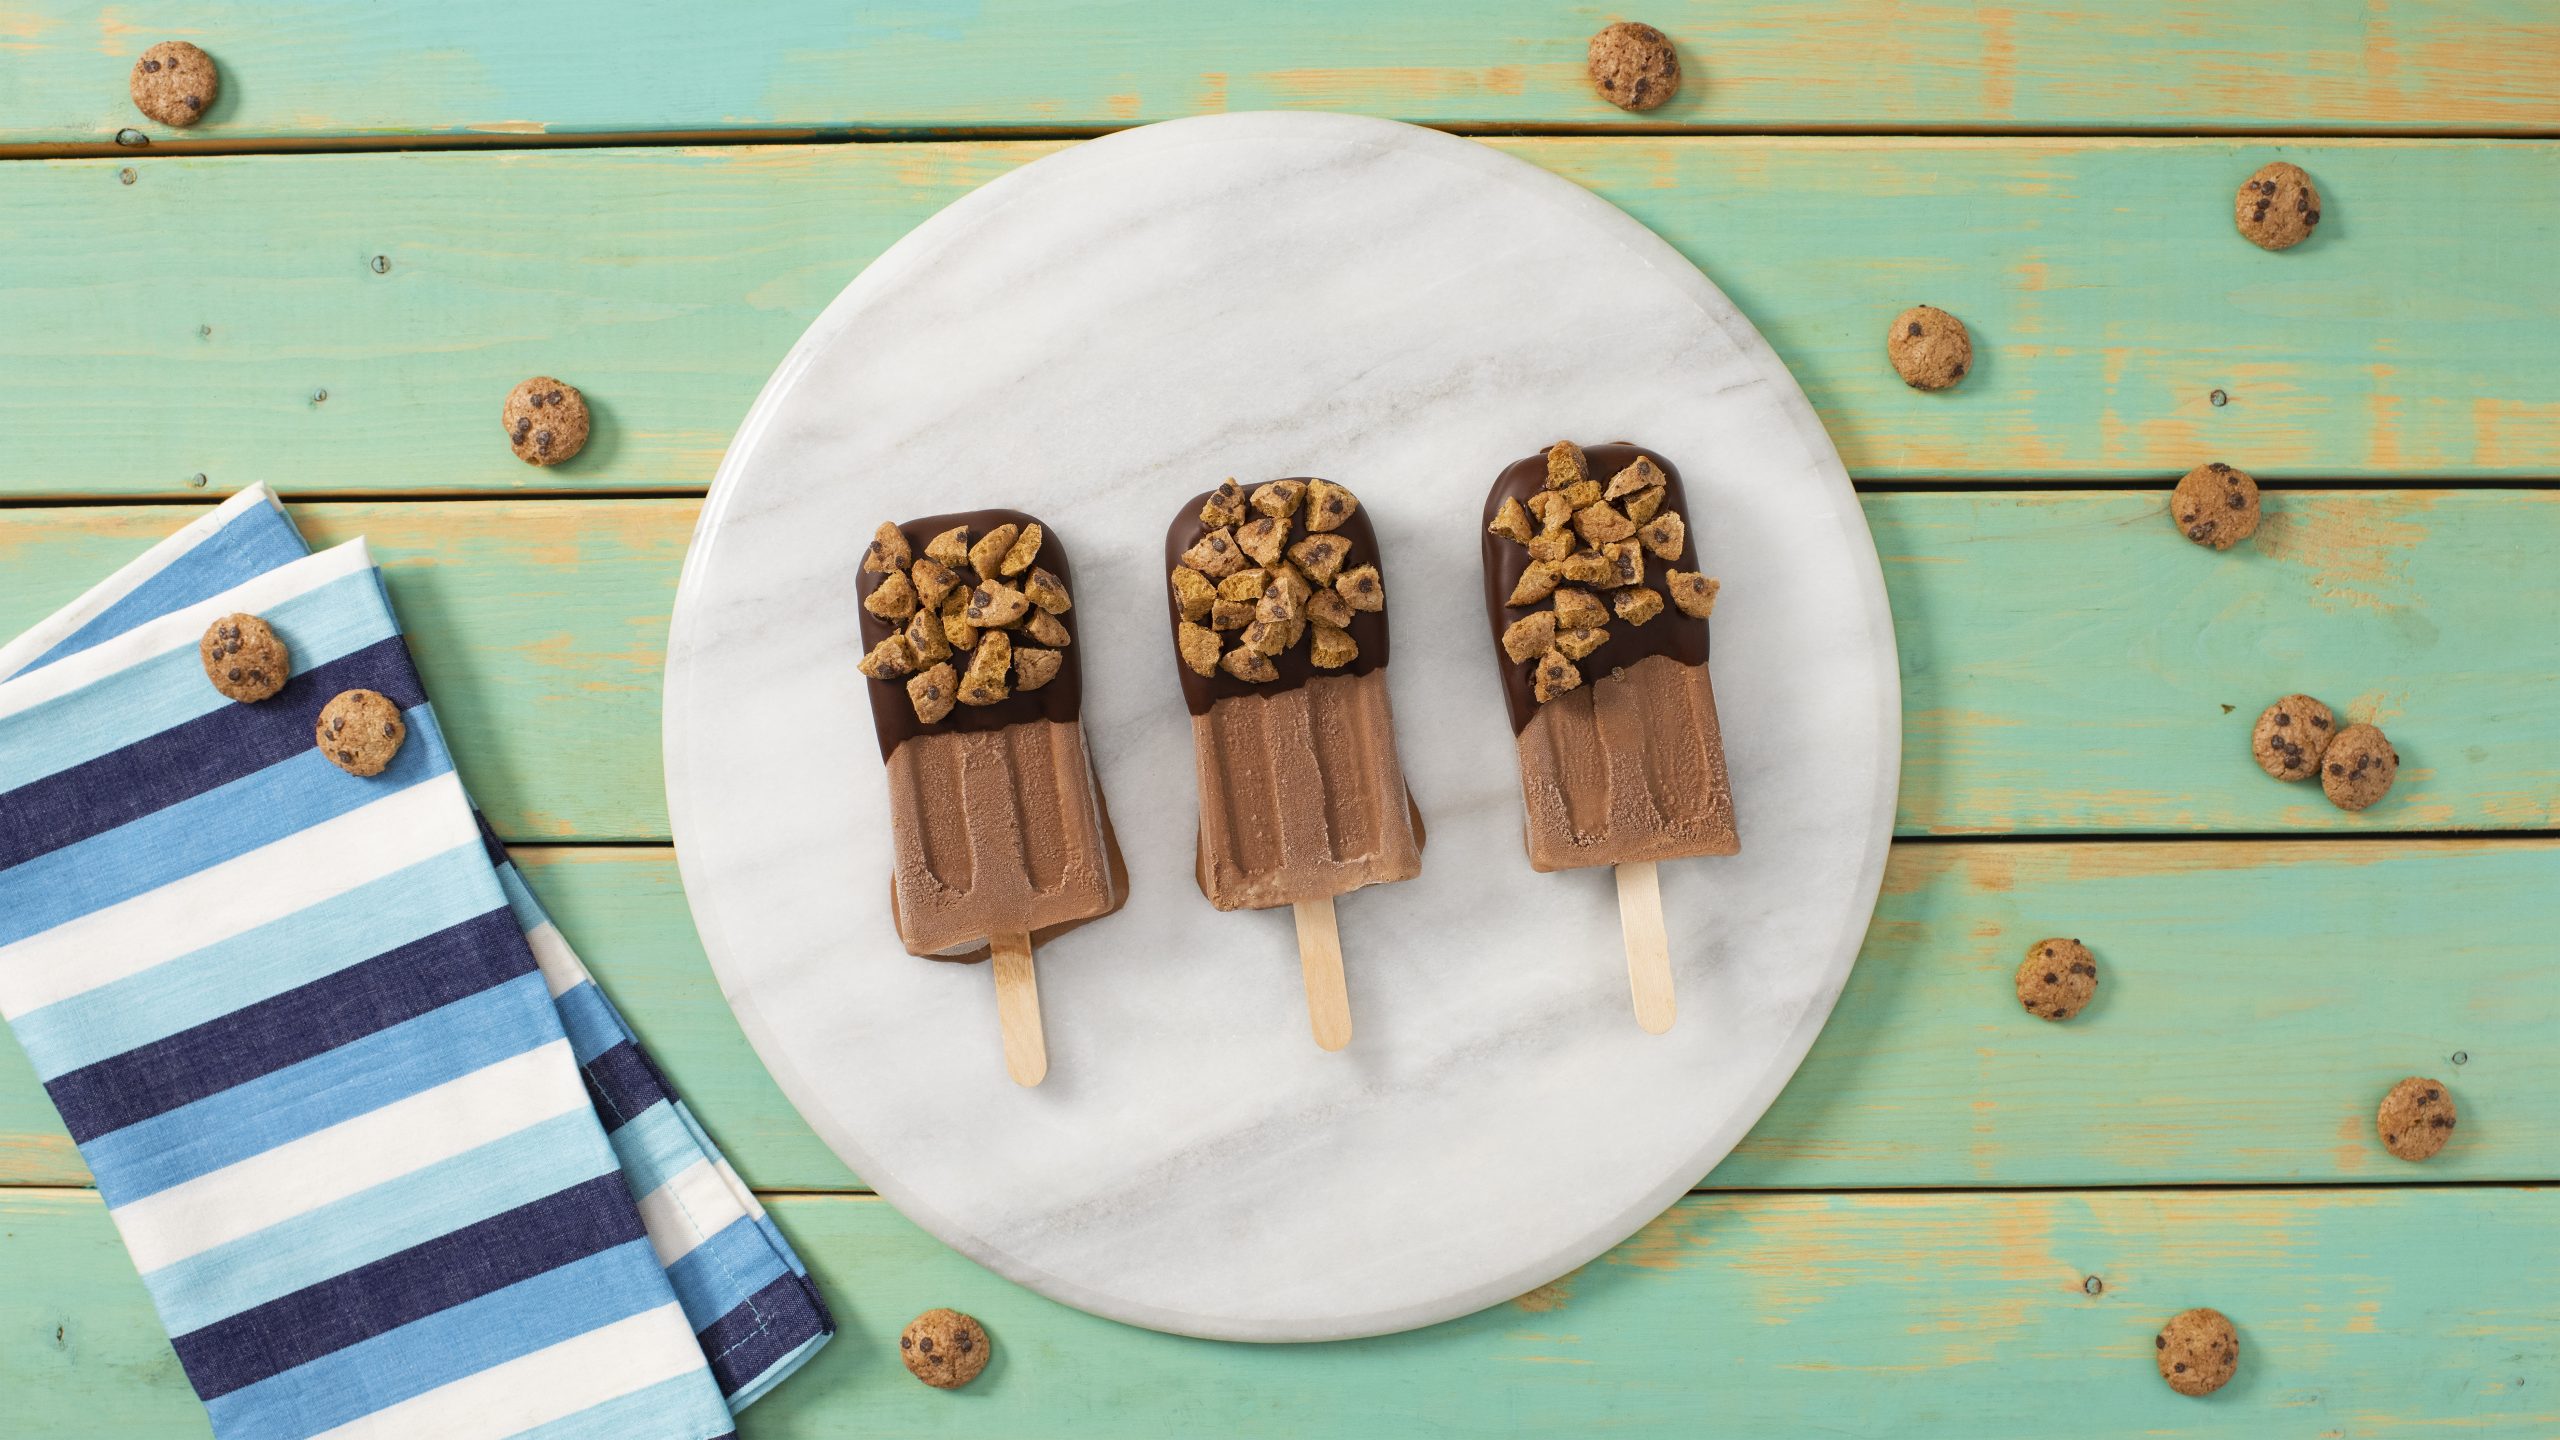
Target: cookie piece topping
[
  {"x": 1587, "y": 547},
  {"x": 1252, "y": 590},
  {"x": 243, "y": 658},
  {"x": 933, "y": 692}
]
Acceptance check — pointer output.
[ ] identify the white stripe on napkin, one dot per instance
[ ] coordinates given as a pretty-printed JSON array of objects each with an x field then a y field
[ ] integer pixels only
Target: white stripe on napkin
[
  {"x": 549, "y": 1384},
  {"x": 562, "y": 971},
  {"x": 240, "y": 894},
  {"x": 328, "y": 1165},
  {"x": 62, "y": 624}
]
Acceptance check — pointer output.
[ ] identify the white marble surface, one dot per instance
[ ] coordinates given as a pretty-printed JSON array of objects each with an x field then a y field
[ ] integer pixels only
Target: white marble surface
[{"x": 1094, "y": 338}]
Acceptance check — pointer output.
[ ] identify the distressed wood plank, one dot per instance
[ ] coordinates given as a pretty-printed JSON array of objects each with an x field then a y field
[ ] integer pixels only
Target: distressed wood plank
[
  {"x": 2258, "y": 1000},
  {"x": 2360, "y": 1313},
  {"x": 2065, "y": 655},
  {"x": 312, "y": 71},
  {"x": 2107, "y": 292}
]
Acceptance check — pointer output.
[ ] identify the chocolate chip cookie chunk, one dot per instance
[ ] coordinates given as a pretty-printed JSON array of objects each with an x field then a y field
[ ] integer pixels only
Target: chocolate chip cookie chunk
[
  {"x": 2277, "y": 207},
  {"x": 360, "y": 731},
  {"x": 2198, "y": 1352},
  {"x": 2216, "y": 506},
  {"x": 2359, "y": 767},
  {"x": 2416, "y": 1118},
  {"x": 243, "y": 658},
  {"x": 2291, "y": 737},
  {"x": 1930, "y": 349},
  {"x": 546, "y": 420},
  {"x": 174, "y": 83},
  {"x": 1634, "y": 67},
  {"x": 2057, "y": 979},
  {"x": 944, "y": 1348}
]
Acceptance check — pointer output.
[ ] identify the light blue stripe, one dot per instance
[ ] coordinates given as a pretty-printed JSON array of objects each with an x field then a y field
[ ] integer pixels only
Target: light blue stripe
[
  {"x": 685, "y": 1405},
  {"x": 250, "y": 544},
  {"x": 719, "y": 1274},
  {"x": 593, "y": 1027},
  {"x": 153, "y": 695},
  {"x": 779, "y": 1371},
  {"x": 204, "y": 830},
  {"x": 355, "y": 1079},
  {"x": 530, "y": 916},
  {"x": 655, "y": 1147},
  {"x": 384, "y": 1220},
  {"x": 207, "y": 984},
  {"x": 439, "y": 1349},
  {"x": 781, "y": 1247}
]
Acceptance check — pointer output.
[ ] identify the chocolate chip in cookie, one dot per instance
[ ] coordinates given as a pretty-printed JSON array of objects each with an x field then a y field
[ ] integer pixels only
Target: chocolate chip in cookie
[
  {"x": 1930, "y": 349},
  {"x": 1634, "y": 67},
  {"x": 2278, "y": 207},
  {"x": 2416, "y": 1118},
  {"x": 2291, "y": 737},
  {"x": 243, "y": 658},
  {"x": 546, "y": 420},
  {"x": 2215, "y": 505},
  {"x": 174, "y": 83},
  {"x": 2359, "y": 767},
  {"x": 2057, "y": 979},
  {"x": 2198, "y": 1351},
  {"x": 944, "y": 1348},
  {"x": 360, "y": 730}
]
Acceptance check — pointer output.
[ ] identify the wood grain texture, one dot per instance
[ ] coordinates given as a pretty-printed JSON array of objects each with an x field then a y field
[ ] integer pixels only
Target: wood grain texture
[
  {"x": 2360, "y": 1313},
  {"x": 2257, "y": 1000},
  {"x": 312, "y": 71},
  {"x": 2066, "y": 657},
  {"x": 2106, "y": 290}
]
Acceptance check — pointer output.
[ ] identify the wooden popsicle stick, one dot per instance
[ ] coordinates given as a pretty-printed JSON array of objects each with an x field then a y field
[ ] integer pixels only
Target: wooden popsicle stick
[
  {"x": 1648, "y": 948},
  {"x": 1026, "y": 1051},
  {"x": 1320, "y": 959}
]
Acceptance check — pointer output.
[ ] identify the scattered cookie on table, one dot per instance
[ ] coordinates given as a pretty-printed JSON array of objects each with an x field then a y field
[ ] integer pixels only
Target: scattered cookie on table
[
  {"x": 2215, "y": 505},
  {"x": 243, "y": 658},
  {"x": 2291, "y": 737},
  {"x": 2359, "y": 768},
  {"x": 174, "y": 83},
  {"x": 1634, "y": 66},
  {"x": 2198, "y": 1351},
  {"x": 2057, "y": 979},
  {"x": 944, "y": 1348},
  {"x": 1930, "y": 348},
  {"x": 2416, "y": 1118},
  {"x": 2277, "y": 207},
  {"x": 546, "y": 420},
  {"x": 360, "y": 730}
]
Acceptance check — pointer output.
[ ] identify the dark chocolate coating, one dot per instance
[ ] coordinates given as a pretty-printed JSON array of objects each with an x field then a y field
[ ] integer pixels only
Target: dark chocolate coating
[
  {"x": 1682, "y": 637},
  {"x": 1062, "y": 699},
  {"x": 1368, "y": 627}
]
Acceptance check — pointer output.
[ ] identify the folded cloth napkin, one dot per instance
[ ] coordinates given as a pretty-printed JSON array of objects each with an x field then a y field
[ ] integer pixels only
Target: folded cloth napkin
[{"x": 388, "y": 1160}]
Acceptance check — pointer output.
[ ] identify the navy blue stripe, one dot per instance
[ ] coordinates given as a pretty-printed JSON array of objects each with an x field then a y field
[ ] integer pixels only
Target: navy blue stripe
[
  {"x": 622, "y": 1082},
  {"x": 186, "y": 760},
  {"x": 397, "y": 985},
  {"x": 586, "y": 1219},
  {"x": 766, "y": 1326},
  {"x": 489, "y": 840}
]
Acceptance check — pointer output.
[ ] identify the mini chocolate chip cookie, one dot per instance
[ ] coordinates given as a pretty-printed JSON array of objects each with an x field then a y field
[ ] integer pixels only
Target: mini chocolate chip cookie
[
  {"x": 2416, "y": 1118},
  {"x": 1634, "y": 67},
  {"x": 243, "y": 658},
  {"x": 944, "y": 1348},
  {"x": 2359, "y": 767},
  {"x": 2057, "y": 979},
  {"x": 2291, "y": 737},
  {"x": 2277, "y": 207},
  {"x": 1930, "y": 349},
  {"x": 546, "y": 420},
  {"x": 2216, "y": 506},
  {"x": 174, "y": 83},
  {"x": 2198, "y": 1351},
  {"x": 360, "y": 731}
]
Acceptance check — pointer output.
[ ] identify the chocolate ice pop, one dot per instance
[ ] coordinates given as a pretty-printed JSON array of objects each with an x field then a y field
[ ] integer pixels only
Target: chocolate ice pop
[
  {"x": 1002, "y": 839},
  {"x": 1601, "y": 617},
  {"x": 1279, "y": 620}
]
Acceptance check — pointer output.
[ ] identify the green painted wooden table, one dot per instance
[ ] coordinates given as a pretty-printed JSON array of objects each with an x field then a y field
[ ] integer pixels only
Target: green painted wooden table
[{"x": 1957, "y": 1220}]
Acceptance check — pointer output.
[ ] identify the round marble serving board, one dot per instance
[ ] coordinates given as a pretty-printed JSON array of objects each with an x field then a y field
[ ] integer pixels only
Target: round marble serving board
[{"x": 1094, "y": 338}]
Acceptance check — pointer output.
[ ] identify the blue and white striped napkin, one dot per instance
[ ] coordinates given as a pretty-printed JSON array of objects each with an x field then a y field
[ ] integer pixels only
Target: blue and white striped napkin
[{"x": 389, "y": 1162}]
